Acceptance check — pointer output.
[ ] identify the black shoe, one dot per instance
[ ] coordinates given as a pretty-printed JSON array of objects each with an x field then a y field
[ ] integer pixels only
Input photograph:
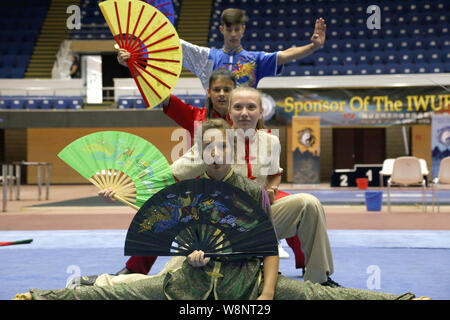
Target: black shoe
[
  {"x": 124, "y": 271},
  {"x": 331, "y": 283},
  {"x": 82, "y": 281}
]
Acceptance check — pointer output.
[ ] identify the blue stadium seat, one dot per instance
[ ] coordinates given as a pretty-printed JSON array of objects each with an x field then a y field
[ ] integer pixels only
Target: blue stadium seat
[
  {"x": 17, "y": 104},
  {"x": 388, "y": 32},
  {"x": 335, "y": 59},
  {"x": 423, "y": 68},
  {"x": 281, "y": 45},
  {"x": 268, "y": 46},
  {"x": 404, "y": 44},
  {"x": 336, "y": 70},
  {"x": 74, "y": 103},
  {"x": 379, "y": 69},
  {"x": 17, "y": 73},
  {"x": 446, "y": 67},
  {"x": 361, "y": 32},
  {"x": 125, "y": 103},
  {"x": 350, "y": 69},
  {"x": 9, "y": 60},
  {"x": 365, "y": 69},
  {"x": 375, "y": 44},
  {"x": 61, "y": 103},
  {"x": 139, "y": 104},
  {"x": 321, "y": 71},
  {"x": 5, "y": 72},
  {"x": 46, "y": 104},
  {"x": 434, "y": 56},
  {"x": 388, "y": 57},
  {"x": 375, "y": 57},
  {"x": 419, "y": 56},
  {"x": 408, "y": 68},
  {"x": 390, "y": 44},
  {"x": 4, "y": 103},
  {"x": 362, "y": 58},
  {"x": 22, "y": 60},
  {"x": 290, "y": 71},
  {"x": 405, "y": 57},
  {"x": 305, "y": 71},
  {"x": 33, "y": 103},
  {"x": 322, "y": 59},
  {"x": 393, "y": 68},
  {"x": 196, "y": 101},
  {"x": 333, "y": 34},
  {"x": 436, "y": 68},
  {"x": 349, "y": 59}
]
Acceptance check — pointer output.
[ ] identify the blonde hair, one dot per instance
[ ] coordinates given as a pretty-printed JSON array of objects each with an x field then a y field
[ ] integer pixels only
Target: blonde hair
[
  {"x": 260, "y": 123},
  {"x": 217, "y": 123}
]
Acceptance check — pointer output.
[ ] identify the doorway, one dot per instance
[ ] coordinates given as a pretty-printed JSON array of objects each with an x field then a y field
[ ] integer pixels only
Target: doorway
[{"x": 358, "y": 146}]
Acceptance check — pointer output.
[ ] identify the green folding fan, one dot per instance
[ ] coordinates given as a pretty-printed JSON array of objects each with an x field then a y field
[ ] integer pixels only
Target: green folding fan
[{"x": 133, "y": 167}]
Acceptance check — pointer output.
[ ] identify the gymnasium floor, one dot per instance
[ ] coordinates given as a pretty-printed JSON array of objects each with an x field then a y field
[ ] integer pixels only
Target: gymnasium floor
[{"x": 405, "y": 250}]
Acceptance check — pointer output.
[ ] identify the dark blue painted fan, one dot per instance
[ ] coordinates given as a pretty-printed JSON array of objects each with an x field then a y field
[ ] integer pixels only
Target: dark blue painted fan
[
  {"x": 165, "y": 6},
  {"x": 201, "y": 214}
]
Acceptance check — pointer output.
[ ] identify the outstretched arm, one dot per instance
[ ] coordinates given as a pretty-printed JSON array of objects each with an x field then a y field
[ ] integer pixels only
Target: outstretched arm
[{"x": 317, "y": 42}]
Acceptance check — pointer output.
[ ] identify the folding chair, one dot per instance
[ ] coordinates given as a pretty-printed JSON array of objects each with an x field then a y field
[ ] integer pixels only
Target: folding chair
[
  {"x": 442, "y": 178},
  {"x": 406, "y": 171}
]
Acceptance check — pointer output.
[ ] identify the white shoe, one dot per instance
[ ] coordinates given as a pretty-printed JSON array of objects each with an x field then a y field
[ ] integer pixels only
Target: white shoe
[{"x": 282, "y": 253}]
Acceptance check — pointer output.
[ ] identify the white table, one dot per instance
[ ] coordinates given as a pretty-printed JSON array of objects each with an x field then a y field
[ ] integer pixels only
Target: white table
[{"x": 40, "y": 165}]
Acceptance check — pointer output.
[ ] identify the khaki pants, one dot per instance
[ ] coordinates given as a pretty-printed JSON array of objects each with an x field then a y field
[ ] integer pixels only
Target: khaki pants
[
  {"x": 109, "y": 280},
  {"x": 302, "y": 214}
]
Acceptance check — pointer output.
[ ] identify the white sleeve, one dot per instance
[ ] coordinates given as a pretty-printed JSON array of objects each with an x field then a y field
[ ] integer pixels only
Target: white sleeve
[
  {"x": 275, "y": 150},
  {"x": 189, "y": 165},
  {"x": 195, "y": 58}
]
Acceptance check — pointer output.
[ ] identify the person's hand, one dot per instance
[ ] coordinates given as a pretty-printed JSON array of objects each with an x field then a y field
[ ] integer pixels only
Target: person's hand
[
  {"x": 272, "y": 192},
  {"x": 318, "y": 37},
  {"x": 265, "y": 296},
  {"x": 122, "y": 57},
  {"x": 23, "y": 296},
  {"x": 107, "y": 194},
  {"x": 197, "y": 259}
]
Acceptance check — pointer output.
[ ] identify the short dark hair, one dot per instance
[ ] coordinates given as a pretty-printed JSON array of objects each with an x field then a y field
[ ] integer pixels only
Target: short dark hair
[{"x": 232, "y": 16}]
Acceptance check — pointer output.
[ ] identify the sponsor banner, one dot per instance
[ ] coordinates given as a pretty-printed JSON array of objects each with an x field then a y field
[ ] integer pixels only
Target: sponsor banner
[
  {"x": 440, "y": 141},
  {"x": 306, "y": 150},
  {"x": 357, "y": 107}
]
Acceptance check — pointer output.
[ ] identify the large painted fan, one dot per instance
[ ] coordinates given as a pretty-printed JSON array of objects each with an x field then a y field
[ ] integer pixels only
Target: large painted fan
[
  {"x": 155, "y": 51},
  {"x": 201, "y": 214},
  {"x": 133, "y": 167},
  {"x": 165, "y": 6}
]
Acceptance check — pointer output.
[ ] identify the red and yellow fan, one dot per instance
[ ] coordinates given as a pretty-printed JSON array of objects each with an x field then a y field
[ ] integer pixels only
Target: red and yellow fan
[{"x": 155, "y": 51}]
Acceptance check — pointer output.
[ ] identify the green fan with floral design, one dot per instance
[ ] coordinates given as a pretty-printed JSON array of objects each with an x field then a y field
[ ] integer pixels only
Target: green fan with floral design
[{"x": 133, "y": 167}]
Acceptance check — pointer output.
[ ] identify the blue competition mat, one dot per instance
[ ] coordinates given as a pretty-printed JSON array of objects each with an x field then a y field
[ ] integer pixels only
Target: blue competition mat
[{"x": 403, "y": 260}]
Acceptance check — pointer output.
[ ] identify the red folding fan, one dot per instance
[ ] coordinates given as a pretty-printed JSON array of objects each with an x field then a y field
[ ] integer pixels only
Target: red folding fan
[{"x": 155, "y": 51}]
